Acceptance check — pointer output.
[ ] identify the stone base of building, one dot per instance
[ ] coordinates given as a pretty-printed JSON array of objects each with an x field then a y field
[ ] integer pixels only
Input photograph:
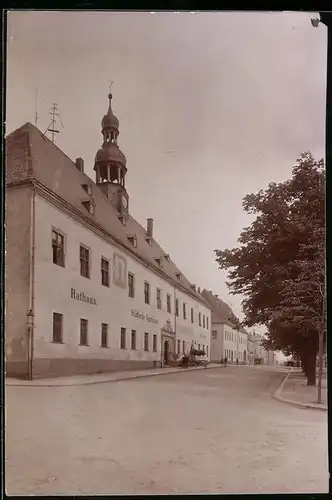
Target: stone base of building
[{"x": 44, "y": 367}]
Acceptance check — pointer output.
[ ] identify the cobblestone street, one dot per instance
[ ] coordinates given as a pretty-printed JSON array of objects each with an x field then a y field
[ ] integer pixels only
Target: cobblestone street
[{"x": 209, "y": 431}]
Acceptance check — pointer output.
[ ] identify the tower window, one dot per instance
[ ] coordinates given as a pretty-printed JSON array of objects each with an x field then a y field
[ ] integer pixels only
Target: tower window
[
  {"x": 58, "y": 248},
  {"x": 105, "y": 273},
  {"x": 85, "y": 261}
]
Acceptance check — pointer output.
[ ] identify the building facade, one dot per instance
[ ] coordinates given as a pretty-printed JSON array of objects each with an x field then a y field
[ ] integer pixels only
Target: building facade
[
  {"x": 228, "y": 340},
  {"x": 88, "y": 289}
]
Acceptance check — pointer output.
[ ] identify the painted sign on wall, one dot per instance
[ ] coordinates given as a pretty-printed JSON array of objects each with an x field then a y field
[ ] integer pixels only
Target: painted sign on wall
[
  {"x": 140, "y": 315},
  {"x": 82, "y": 297}
]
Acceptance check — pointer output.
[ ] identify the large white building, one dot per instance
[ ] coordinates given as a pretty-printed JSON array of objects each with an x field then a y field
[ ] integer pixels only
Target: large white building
[
  {"x": 227, "y": 340},
  {"x": 88, "y": 289}
]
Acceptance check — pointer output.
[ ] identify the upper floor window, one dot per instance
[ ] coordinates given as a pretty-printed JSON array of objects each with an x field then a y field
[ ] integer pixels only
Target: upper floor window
[
  {"x": 179, "y": 346},
  {"x": 85, "y": 261},
  {"x": 207, "y": 323},
  {"x": 192, "y": 314},
  {"x": 105, "y": 272},
  {"x": 146, "y": 292},
  {"x": 203, "y": 320},
  {"x": 184, "y": 307},
  {"x": 158, "y": 298},
  {"x": 104, "y": 335},
  {"x": 199, "y": 319},
  {"x": 58, "y": 248},
  {"x": 131, "y": 285},
  {"x": 177, "y": 307},
  {"x": 214, "y": 334},
  {"x": 57, "y": 328},
  {"x": 169, "y": 308}
]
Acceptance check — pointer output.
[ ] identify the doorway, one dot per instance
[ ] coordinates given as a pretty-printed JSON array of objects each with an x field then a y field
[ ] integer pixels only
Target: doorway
[
  {"x": 244, "y": 356},
  {"x": 166, "y": 352}
]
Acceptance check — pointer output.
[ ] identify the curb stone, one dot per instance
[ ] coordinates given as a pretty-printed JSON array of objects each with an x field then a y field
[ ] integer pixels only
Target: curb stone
[
  {"x": 277, "y": 395},
  {"x": 94, "y": 382}
]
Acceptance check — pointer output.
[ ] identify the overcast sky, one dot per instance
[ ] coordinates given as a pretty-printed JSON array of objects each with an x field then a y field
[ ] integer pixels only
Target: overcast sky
[{"x": 212, "y": 106}]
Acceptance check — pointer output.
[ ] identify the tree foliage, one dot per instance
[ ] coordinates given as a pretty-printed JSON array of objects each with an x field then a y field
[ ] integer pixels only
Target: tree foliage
[{"x": 279, "y": 265}]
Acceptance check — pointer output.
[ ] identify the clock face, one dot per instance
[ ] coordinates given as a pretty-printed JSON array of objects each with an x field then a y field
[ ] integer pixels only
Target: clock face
[{"x": 124, "y": 201}]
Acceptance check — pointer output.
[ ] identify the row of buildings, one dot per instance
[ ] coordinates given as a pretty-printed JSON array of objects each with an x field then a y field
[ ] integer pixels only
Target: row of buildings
[{"x": 88, "y": 289}]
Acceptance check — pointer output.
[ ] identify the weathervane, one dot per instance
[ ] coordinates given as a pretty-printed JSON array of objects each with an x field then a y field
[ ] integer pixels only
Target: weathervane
[{"x": 110, "y": 86}]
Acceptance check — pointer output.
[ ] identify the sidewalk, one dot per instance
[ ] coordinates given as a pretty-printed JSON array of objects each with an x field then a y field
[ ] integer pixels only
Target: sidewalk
[
  {"x": 296, "y": 391},
  {"x": 101, "y": 378}
]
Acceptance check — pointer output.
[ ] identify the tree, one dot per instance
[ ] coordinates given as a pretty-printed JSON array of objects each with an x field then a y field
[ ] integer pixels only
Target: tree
[{"x": 279, "y": 267}]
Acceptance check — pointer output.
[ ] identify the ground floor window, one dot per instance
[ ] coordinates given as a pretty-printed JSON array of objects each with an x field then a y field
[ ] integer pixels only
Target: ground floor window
[
  {"x": 207, "y": 351},
  {"x": 146, "y": 341},
  {"x": 57, "y": 328},
  {"x": 104, "y": 335},
  {"x": 179, "y": 346},
  {"x": 154, "y": 343},
  {"x": 123, "y": 338},
  {"x": 183, "y": 346},
  {"x": 133, "y": 340},
  {"x": 84, "y": 332}
]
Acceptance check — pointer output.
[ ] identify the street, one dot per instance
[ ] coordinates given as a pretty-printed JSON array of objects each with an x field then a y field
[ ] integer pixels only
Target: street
[{"x": 208, "y": 431}]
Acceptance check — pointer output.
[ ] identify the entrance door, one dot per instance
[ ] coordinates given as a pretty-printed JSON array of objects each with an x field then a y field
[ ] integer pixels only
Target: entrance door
[
  {"x": 166, "y": 352},
  {"x": 244, "y": 356}
]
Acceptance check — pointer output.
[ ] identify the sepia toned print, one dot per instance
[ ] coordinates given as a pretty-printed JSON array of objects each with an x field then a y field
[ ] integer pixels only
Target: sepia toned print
[{"x": 165, "y": 253}]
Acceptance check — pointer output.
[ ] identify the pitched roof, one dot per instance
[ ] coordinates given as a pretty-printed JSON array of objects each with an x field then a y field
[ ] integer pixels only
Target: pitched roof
[
  {"x": 30, "y": 154},
  {"x": 220, "y": 311}
]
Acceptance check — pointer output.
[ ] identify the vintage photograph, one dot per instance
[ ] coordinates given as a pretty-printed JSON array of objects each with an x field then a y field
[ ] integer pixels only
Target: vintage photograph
[{"x": 165, "y": 268}]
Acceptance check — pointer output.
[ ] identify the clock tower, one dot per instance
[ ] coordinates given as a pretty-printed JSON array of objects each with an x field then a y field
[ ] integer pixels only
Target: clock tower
[{"x": 110, "y": 164}]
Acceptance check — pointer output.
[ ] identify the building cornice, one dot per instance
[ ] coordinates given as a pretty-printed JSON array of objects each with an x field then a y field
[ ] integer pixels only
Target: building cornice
[{"x": 73, "y": 212}]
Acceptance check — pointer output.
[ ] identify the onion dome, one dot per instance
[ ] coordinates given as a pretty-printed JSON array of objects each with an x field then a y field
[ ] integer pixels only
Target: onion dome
[
  {"x": 110, "y": 121},
  {"x": 110, "y": 152}
]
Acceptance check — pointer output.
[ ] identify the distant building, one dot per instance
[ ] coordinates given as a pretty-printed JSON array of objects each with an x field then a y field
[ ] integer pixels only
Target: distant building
[
  {"x": 88, "y": 289},
  {"x": 257, "y": 351},
  {"x": 228, "y": 339}
]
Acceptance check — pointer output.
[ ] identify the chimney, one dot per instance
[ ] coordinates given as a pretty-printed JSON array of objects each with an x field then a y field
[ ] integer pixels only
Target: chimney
[
  {"x": 80, "y": 164},
  {"x": 149, "y": 229}
]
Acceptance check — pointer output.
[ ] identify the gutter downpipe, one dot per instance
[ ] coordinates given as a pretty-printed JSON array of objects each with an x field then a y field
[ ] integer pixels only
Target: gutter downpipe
[{"x": 31, "y": 285}]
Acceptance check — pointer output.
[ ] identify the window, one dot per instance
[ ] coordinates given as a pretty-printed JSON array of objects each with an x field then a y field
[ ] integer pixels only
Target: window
[
  {"x": 57, "y": 328},
  {"x": 154, "y": 343},
  {"x": 146, "y": 292},
  {"x": 192, "y": 314},
  {"x": 203, "y": 321},
  {"x": 84, "y": 332},
  {"x": 89, "y": 206},
  {"x": 177, "y": 307},
  {"x": 184, "y": 310},
  {"x": 104, "y": 335},
  {"x": 207, "y": 323},
  {"x": 85, "y": 261},
  {"x": 123, "y": 338},
  {"x": 58, "y": 249},
  {"x": 105, "y": 272},
  {"x": 199, "y": 347},
  {"x": 225, "y": 335},
  {"x": 199, "y": 319},
  {"x": 207, "y": 351},
  {"x": 146, "y": 341},
  {"x": 179, "y": 346},
  {"x": 158, "y": 298},
  {"x": 169, "y": 309},
  {"x": 133, "y": 340},
  {"x": 159, "y": 262},
  {"x": 133, "y": 240},
  {"x": 87, "y": 188},
  {"x": 214, "y": 334},
  {"x": 183, "y": 346},
  {"x": 131, "y": 285}
]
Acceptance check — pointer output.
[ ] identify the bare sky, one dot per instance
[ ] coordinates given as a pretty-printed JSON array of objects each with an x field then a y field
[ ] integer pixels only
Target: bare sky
[{"x": 212, "y": 106}]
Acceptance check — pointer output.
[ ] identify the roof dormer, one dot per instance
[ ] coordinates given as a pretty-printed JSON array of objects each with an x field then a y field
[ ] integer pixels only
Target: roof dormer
[{"x": 133, "y": 240}]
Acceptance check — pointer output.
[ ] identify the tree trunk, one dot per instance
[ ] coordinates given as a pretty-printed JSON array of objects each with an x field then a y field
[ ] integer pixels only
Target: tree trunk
[{"x": 311, "y": 367}]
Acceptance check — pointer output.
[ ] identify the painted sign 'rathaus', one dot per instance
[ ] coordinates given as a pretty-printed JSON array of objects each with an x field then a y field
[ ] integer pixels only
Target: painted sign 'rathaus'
[{"x": 87, "y": 287}]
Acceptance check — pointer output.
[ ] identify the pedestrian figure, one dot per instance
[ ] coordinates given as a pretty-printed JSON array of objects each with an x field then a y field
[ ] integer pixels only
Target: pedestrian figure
[
  {"x": 237, "y": 361},
  {"x": 185, "y": 361},
  {"x": 225, "y": 362}
]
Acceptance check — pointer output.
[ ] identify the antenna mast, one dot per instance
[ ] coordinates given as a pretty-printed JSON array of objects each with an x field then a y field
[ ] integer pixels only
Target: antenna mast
[
  {"x": 36, "y": 109},
  {"x": 53, "y": 115}
]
